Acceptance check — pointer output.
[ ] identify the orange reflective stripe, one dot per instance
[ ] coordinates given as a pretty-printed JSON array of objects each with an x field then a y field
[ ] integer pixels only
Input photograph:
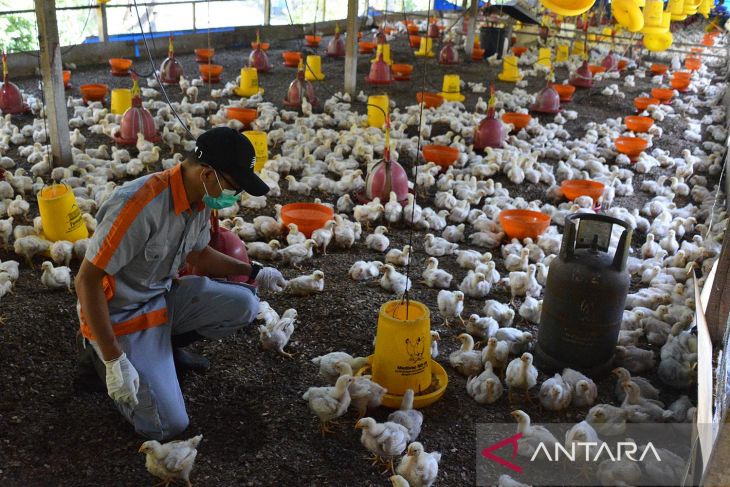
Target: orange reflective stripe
[
  {"x": 109, "y": 286},
  {"x": 138, "y": 323},
  {"x": 151, "y": 188},
  {"x": 179, "y": 196}
]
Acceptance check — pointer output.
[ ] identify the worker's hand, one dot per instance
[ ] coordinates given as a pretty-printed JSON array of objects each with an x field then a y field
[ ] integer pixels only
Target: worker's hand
[
  {"x": 122, "y": 380},
  {"x": 270, "y": 279}
]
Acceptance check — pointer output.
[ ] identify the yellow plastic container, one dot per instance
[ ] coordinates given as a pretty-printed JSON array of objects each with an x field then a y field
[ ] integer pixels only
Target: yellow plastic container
[
  {"x": 657, "y": 42},
  {"x": 313, "y": 70},
  {"x": 628, "y": 14},
  {"x": 260, "y": 145},
  {"x": 385, "y": 50},
  {"x": 376, "y": 113},
  {"x": 425, "y": 49},
  {"x": 510, "y": 71},
  {"x": 653, "y": 15},
  {"x": 402, "y": 358},
  {"x": 675, "y": 7},
  {"x": 544, "y": 56},
  {"x": 249, "y": 83},
  {"x": 569, "y": 8},
  {"x": 579, "y": 48},
  {"x": 121, "y": 100},
  {"x": 562, "y": 54},
  {"x": 60, "y": 215},
  {"x": 451, "y": 87},
  {"x": 705, "y": 7}
]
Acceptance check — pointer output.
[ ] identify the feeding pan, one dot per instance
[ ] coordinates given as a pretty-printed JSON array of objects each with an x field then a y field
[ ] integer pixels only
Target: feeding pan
[
  {"x": 120, "y": 66},
  {"x": 263, "y": 45},
  {"x": 658, "y": 68},
  {"x": 439, "y": 382},
  {"x": 402, "y": 72},
  {"x": 312, "y": 40},
  {"x": 519, "y": 120},
  {"x": 679, "y": 84},
  {"x": 66, "y": 79},
  {"x": 442, "y": 155},
  {"x": 582, "y": 77},
  {"x": 565, "y": 92},
  {"x": 11, "y": 100},
  {"x": 448, "y": 54},
  {"x": 243, "y": 115},
  {"x": 259, "y": 60},
  {"x": 380, "y": 73},
  {"x": 664, "y": 95},
  {"x": 637, "y": 123},
  {"x": 595, "y": 69},
  {"x": 93, "y": 92},
  {"x": 574, "y": 188},
  {"x": 210, "y": 73},
  {"x": 307, "y": 216},
  {"x": 643, "y": 102},
  {"x": 631, "y": 146},
  {"x": 203, "y": 55},
  {"x": 547, "y": 101},
  {"x": 477, "y": 54},
  {"x": 519, "y": 50},
  {"x": 415, "y": 41},
  {"x": 366, "y": 47},
  {"x": 692, "y": 63},
  {"x": 291, "y": 58},
  {"x": 429, "y": 99},
  {"x": 521, "y": 224}
]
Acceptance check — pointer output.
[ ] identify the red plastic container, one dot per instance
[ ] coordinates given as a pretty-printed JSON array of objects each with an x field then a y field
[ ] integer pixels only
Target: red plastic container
[
  {"x": 664, "y": 95},
  {"x": 66, "y": 78},
  {"x": 448, "y": 54},
  {"x": 582, "y": 77},
  {"x": 259, "y": 60},
  {"x": 120, "y": 66},
  {"x": 547, "y": 101},
  {"x": 692, "y": 63},
  {"x": 312, "y": 40},
  {"x": 565, "y": 92},
  {"x": 595, "y": 69},
  {"x": 203, "y": 55},
  {"x": 263, "y": 45},
  {"x": 442, "y": 155},
  {"x": 307, "y": 216},
  {"x": 679, "y": 84},
  {"x": 477, "y": 54},
  {"x": 225, "y": 242},
  {"x": 380, "y": 73},
  {"x": 299, "y": 89},
  {"x": 658, "y": 68},
  {"x": 519, "y": 50},
  {"x": 521, "y": 224},
  {"x": 291, "y": 58},
  {"x": 336, "y": 46},
  {"x": 366, "y": 47},
  {"x": 415, "y": 41}
]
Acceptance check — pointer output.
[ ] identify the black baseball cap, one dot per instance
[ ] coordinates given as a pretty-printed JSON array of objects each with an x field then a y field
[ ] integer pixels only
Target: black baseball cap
[{"x": 230, "y": 152}]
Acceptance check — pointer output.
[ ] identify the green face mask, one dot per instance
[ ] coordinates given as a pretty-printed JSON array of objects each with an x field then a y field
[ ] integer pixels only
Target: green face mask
[{"x": 227, "y": 197}]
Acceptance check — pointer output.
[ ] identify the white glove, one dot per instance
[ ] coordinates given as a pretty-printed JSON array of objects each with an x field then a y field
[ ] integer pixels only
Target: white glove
[
  {"x": 270, "y": 279},
  {"x": 122, "y": 380}
]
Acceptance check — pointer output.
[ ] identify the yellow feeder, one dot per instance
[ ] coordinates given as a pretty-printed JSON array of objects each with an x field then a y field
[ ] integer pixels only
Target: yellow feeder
[
  {"x": 383, "y": 49},
  {"x": 60, "y": 214},
  {"x": 676, "y": 8},
  {"x": 628, "y": 14},
  {"x": 451, "y": 88},
  {"x": 260, "y": 146},
  {"x": 314, "y": 68},
  {"x": 121, "y": 100},
  {"x": 425, "y": 49},
  {"x": 562, "y": 54},
  {"x": 544, "y": 56},
  {"x": 579, "y": 48},
  {"x": 705, "y": 7},
  {"x": 569, "y": 8},
  {"x": 249, "y": 83},
  {"x": 653, "y": 15},
  {"x": 510, "y": 72},
  {"x": 378, "y": 108}
]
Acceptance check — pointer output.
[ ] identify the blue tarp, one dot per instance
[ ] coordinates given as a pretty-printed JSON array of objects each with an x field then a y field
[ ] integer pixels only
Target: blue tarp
[{"x": 137, "y": 37}]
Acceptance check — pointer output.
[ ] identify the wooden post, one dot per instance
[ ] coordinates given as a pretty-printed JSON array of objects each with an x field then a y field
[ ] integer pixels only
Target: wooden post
[
  {"x": 471, "y": 29},
  {"x": 101, "y": 20},
  {"x": 50, "y": 58},
  {"x": 351, "y": 49},
  {"x": 718, "y": 306},
  {"x": 267, "y": 12}
]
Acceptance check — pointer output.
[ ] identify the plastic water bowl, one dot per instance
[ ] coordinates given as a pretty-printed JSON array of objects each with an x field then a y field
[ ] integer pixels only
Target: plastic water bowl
[
  {"x": 243, "y": 115},
  {"x": 308, "y": 216},
  {"x": 263, "y": 45},
  {"x": 642, "y": 102},
  {"x": 291, "y": 58},
  {"x": 574, "y": 188},
  {"x": 622, "y": 64},
  {"x": 366, "y": 47},
  {"x": 442, "y": 155},
  {"x": 120, "y": 65},
  {"x": 312, "y": 40},
  {"x": 636, "y": 123},
  {"x": 631, "y": 146},
  {"x": 439, "y": 382},
  {"x": 664, "y": 95},
  {"x": 415, "y": 41},
  {"x": 565, "y": 92},
  {"x": 658, "y": 68},
  {"x": 519, "y": 50},
  {"x": 430, "y": 100},
  {"x": 679, "y": 84},
  {"x": 692, "y": 63},
  {"x": 521, "y": 224},
  {"x": 477, "y": 54},
  {"x": 412, "y": 28},
  {"x": 204, "y": 54},
  {"x": 595, "y": 69},
  {"x": 684, "y": 75},
  {"x": 402, "y": 72},
  {"x": 94, "y": 92},
  {"x": 210, "y": 71},
  {"x": 519, "y": 120}
]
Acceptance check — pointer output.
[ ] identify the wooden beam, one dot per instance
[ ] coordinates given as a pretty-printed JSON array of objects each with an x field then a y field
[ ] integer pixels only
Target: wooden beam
[
  {"x": 351, "y": 49},
  {"x": 471, "y": 29},
  {"x": 101, "y": 20},
  {"x": 718, "y": 305},
  {"x": 51, "y": 69},
  {"x": 267, "y": 12}
]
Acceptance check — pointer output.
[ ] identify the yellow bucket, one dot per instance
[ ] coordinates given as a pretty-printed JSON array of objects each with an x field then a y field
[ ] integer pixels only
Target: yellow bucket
[
  {"x": 579, "y": 48},
  {"x": 314, "y": 68},
  {"x": 562, "y": 54},
  {"x": 376, "y": 117},
  {"x": 121, "y": 100},
  {"x": 544, "y": 56},
  {"x": 510, "y": 72},
  {"x": 451, "y": 87},
  {"x": 60, "y": 215},
  {"x": 249, "y": 83},
  {"x": 260, "y": 145},
  {"x": 385, "y": 50},
  {"x": 402, "y": 358},
  {"x": 425, "y": 48}
]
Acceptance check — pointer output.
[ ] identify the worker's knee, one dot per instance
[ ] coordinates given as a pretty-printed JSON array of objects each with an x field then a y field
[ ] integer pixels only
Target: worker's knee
[{"x": 250, "y": 306}]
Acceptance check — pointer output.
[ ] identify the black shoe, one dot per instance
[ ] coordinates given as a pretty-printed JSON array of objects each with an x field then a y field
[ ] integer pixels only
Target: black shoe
[
  {"x": 91, "y": 373},
  {"x": 189, "y": 361}
]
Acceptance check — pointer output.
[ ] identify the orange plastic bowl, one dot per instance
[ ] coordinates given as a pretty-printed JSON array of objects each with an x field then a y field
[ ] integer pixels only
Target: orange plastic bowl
[
  {"x": 210, "y": 71},
  {"x": 291, "y": 58},
  {"x": 680, "y": 84},
  {"x": 521, "y": 224},
  {"x": 66, "y": 78},
  {"x": 243, "y": 115},
  {"x": 658, "y": 68},
  {"x": 307, "y": 216},
  {"x": 94, "y": 92},
  {"x": 412, "y": 29},
  {"x": 203, "y": 54},
  {"x": 415, "y": 41},
  {"x": 442, "y": 155},
  {"x": 565, "y": 91},
  {"x": 264, "y": 45},
  {"x": 120, "y": 65},
  {"x": 430, "y": 100},
  {"x": 622, "y": 64},
  {"x": 519, "y": 50},
  {"x": 477, "y": 54},
  {"x": 519, "y": 120},
  {"x": 402, "y": 71},
  {"x": 683, "y": 75},
  {"x": 366, "y": 47},
  {"x": 631, "y": 146},
  {"x": 664, "y": 95},
  {"x": 708, "y": 41},
  {"x": 574, "y": 188},
  {"x": 312, "y": 40},
  {"x": 595, "y": 69},
  {"x": 636, "y": 123},
  {"x": 692, "y": 63},
  {"x": 643, "y": 102}
]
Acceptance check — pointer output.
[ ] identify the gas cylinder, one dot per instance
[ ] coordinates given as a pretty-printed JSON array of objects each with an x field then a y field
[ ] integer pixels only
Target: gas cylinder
[{"x": 584, "y": 298}]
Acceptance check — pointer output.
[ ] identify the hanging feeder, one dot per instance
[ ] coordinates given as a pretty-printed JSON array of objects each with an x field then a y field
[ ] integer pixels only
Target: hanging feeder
[
  {"x": 433, "y": 31},
  {"x": 170, "y": 70},
  {"x": 11, "y": 99},
  {"x": 258, "y": 58},
  {"x": 336, "y": 46},
  {"x": 385, "y": 177},
  {"x": 380, "y": 73},
  {"x": 547, "y": 101},
  {"x": 136, "y": 119},
  {"x": 299, "y": 89},
  {"x": 448, "y": 54},
  {"x": 490, "y": 131},
  {"x": 582, "y": 77},
  {"x": 610, "y": 62}
]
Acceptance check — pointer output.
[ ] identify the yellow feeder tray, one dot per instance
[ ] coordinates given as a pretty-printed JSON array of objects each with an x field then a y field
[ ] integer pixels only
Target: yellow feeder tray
[
  {"x": 260, "y": 144},
  {"x": 563, "y": 53},
  {"x": 544, "y": 56},
  {"x": 510, "y": 71},
  {"x": 451, "y": 87},
  {"x": 658, "y": 42},
  {"x": 425, "y": 49},
  {"x": 439, "y": 377},
  {"x": 383, "y": 49},
  {"x": 249, "y": 83},
  {"x": 313, "y": 70}
]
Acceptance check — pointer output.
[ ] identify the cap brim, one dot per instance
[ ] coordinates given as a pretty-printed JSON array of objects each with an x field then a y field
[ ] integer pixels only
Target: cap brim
[{"x": 254, "y": 185}]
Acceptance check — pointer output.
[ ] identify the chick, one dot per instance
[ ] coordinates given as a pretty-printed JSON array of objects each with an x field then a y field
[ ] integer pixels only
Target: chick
[
  {"x": 531, "y": 309},
  {"x": 481, "y": 327},
  {"x": 377, "y": 240},
  {"x": 619, "y": 472},
  {"x": 469, "y": 259},
  {"x": 297, "y": 253},
  {"x": 466, "y": 360},
  {"x": 171, "y": 461},
  {"x": 276, "y": 336},
  {"x": 393, "y": 280},
  {"x": 584, "y": 389},
  {"x": 435, "y": 339},
  {"x": 294, "y": 236},
  {"x": 555, "y": 394},
  {"x": 515, "y": 263},
  {"x": 437, "y": 246},
  {"x": 577, "y": 437},
  {"x": 398, "y": 257},
  {"x": 635, "y": 360},
  {"x": 485, "y": 388},
  {"x": 398, "y": 481},
  {"x": 56, "y": 277},
  {"x": 499, "y": 311},
  {"x": 364, "y": 393},
  {"x": 384, "y": 440},
  {"x": 18, "y": 209},
  {"x": 507, "y": 481},
  {"x": 327, "y": 364},
  {"x": 532, "y": 436},
  {"x": 646, "y": 406},
  {"x": 608, "y": 420},
  {"x": 306, "y": 285},
  {"x": 475, "y": 285},
  {"x": 345, "y": 232},
  {"x": 393, "y": 210},
  {"x": 670, "y": 470},
  {"x": 519, "y": 340},
  {"x": 406, "y": 416},
  {"x": 329, "y": 403},
  {"x": 363, "y": 271},
  {"x": 434, "y": 277},
  {"x": 521, "y": 374},
  {"x": 451, "y": 305},
  {"x": 323, "y": 236},
  {"x": 647, "y": 390},
  {"x": 496, "y": 353},
  {"x": 6, "y": 230},
  {"x": 268, "y": 227},
  {"x": 61, "y": 252},
  {"x": 419, "y": 467},
  {"x": 524, "y": 283},
  {"x": 263, "y": 251}
]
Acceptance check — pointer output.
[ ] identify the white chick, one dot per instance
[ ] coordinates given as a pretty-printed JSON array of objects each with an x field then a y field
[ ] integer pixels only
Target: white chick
[
  {"x": 475, "y": 285},
  {"x": 327, "y": 364},
  {"x": 524, "y": 283},
  {"x": 435, "y": 339},
  {"x": 377, "y": 240},
  {"x": 646, "y": 406},
  {"x": 454, "y": 233},
  {"x": 398, "y": 257},
  {"x": 438, "y": 247},
  {"x": 294, "y": 236},
  {"x": 519, "y": 340},
  {"x": 466, "y": 360},
  {"x": 521, "y": 374},
  {"x": 406, "y": 416},
  {"x": 469, "y": 259},
  {"x": 364, "y": 271},
  {"x": 451, "y": 305},
  {"x": 555, "y": 394},
  {"x": 56, "y": 278},
  {"x": 384, "y": 440},
  {"x": 364, "y": 393},
  {"x": 268, "y": 227},
  {"x": 263, "y": 250},
  {"x": 584, "y": 389},
  {"x": 481, "y": 327},
  {"x": 6, "y": 230},
  {"x": 61, "y": 252},
  {"x": 514, "y": 263},
  {"x": 329, "y": 403},
  {"x": 297, "y": 253},
  {"x": 18, "y": 208},
  {"x": 393, "y": 210},
  {"x": 531, "y": 309},
  {"x": 635, "y": 360},
  {"x": 619, "y": 472},
  {"x": 532, "y": 436},
  {"x": 499, "y": 311},
  {"x": 275, "y": 336},
  {"x": 507, "y": 481},
  {"x": 496, "y": 353},
  {"x": 393, "y": 280},
  {"x": 485, "y": 388},
  {"x": 398, "y": 481},
  {"x": 647, "y": 390},
  {"x": 171, "y": 461},
  {"x": 323, "y": 236},
  {"x": 419, "y": 467},
  {"x": 306, "y": 285},
  {"x": 434, "y": 277}
]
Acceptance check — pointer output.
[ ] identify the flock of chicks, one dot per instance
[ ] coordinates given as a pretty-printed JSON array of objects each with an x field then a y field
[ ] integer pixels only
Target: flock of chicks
[{"x": 332, "y": 151}]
